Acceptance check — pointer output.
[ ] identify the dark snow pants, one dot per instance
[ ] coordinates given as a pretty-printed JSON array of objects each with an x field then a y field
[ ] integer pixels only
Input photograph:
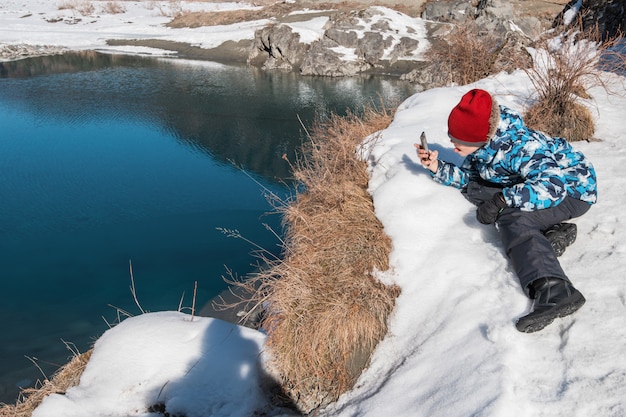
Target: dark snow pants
[{"x": 530, "y": 252}]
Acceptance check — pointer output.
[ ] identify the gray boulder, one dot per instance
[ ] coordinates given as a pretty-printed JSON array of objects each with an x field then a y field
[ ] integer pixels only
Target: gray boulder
[
  {"x": 609, "y": 16},
  {"x": 371, "y": 47},
  {"x": 322, "y": 60},
  {"x": 277, "y": 47},
  {"x": 358, "y": 41},
  {"x": 344, "y": 37},
  {"x": 403, "y": 48},
  {"x": 449, "y": 11},
  {"x": 353, "y": 42}
]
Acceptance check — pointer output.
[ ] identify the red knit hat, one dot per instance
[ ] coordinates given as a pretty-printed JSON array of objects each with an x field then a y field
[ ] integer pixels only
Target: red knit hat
[{"x": 468, "y": 123}]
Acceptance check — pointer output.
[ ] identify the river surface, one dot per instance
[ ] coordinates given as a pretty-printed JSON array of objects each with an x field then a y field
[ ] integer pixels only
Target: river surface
[{"x": 110, "y": 161}]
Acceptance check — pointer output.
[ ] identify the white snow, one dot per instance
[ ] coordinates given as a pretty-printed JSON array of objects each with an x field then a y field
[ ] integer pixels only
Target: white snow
[
  {"x": 452, "y": 348},
  {"x": 42, "y": 22},
  {"x": 309, "y": 30},
  {"x": 167, "y": 357},
  {"x": 389, "y": 24}
]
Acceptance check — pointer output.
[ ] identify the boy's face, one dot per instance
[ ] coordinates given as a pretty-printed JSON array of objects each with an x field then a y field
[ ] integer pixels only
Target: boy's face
[{"x": 464, "y": 150}]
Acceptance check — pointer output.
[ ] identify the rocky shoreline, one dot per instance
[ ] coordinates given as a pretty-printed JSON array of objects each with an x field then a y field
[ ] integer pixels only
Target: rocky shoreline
[
  {"x": 359, "y": 37},
  {"x": 363, "y": 36},
  {"x": 21, "y": 51}
]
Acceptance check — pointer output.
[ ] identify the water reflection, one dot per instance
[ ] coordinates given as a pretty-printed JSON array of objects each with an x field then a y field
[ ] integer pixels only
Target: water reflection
[
  {"x": 66, "y": 63},
  {"x": 213, "y": 107}
]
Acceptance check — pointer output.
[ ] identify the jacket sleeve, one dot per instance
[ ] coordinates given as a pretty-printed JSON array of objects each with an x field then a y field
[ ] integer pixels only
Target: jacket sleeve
[
  {"x": 452, "y": 175},
  {"x": 543, "y": 184}
]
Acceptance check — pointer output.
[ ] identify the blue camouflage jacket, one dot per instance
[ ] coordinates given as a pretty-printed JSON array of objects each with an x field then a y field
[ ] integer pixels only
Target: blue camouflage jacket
[{"x": 536, "y": 171}]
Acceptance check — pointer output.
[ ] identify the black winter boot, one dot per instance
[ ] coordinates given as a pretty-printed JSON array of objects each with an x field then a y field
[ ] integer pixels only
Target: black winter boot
[
  {"x": 553, "y": 298},
  {"x": 561, "y": 236}
]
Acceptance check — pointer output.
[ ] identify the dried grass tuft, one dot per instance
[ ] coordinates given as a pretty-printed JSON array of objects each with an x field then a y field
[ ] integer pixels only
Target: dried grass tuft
[
  {"x": 65, "y": 378},
  {"x": 467, "y": 53},
  {"x": 324, "y": 309},
  {"x": 84, "y": 7},
  {"x": 113, "y": 7},
  {"x": 565, "y": 67},
  {"x": 567, "y": 119}
]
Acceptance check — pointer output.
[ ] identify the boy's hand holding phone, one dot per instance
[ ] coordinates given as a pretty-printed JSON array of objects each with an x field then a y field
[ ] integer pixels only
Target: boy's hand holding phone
[{"x": 427, "y": 157}]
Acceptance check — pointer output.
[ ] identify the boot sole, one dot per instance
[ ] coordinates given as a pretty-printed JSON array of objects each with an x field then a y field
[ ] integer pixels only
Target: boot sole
[
  {"x": 534, "y": 323},
  {"x": 570, "y": 230},
  {"x": 565, "y": 236}
]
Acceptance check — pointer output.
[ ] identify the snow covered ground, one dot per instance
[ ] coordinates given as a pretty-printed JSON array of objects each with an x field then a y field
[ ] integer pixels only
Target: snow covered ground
[
  {"x": 66, "y": 23},
  {"x": 452, "y": 348},
  {"x": 54, "y": 23}
]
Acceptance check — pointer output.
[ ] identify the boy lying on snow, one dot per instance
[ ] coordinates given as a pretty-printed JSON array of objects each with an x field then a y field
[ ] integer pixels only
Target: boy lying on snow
[{"x": 526, "y": 183}]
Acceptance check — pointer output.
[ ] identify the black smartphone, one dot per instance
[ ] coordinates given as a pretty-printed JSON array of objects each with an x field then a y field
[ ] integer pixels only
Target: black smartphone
[{"x": 424, "y": 142}]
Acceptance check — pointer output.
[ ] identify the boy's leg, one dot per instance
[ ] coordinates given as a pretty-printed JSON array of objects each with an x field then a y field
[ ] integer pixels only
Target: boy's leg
[
  {"x": 531, "y": 253},
  {"x": 534, "y": 259}
]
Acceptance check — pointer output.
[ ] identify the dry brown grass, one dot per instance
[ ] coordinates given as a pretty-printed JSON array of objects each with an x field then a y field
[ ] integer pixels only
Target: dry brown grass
[
  {"x": 228, "y": 17},
  {"x": 84, "y": 7},
  {"x": 65, "y": 378},
  {"x": 324, "y": 309},
  {"x": 564, "y": 68},
  {"x": 113, "y": 7},
  {"x": 567, "y": 119},
  {"x": 270, "y": 10}
]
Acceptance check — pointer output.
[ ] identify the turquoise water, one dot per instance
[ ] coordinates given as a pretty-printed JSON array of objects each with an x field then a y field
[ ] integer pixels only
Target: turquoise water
[{"x": 107, "y": 160}]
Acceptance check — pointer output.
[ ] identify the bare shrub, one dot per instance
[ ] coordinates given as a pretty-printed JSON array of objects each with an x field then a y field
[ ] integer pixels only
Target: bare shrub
[
  {"x": 174, "y": 9},
  {"x": 564, "y": 68},
  {"x": 466, "y": 54},
  {"x": 65, "y": 378},
  {"x": 113, "y": 7},
  {"x": 570, "y": 119},
  {"x": 325, "y": 311},
  {"x": 84, "y": 7}
]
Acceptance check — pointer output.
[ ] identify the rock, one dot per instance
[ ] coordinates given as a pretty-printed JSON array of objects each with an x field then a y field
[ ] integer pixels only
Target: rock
[
  {"x": 495, "y": 10},
  {"x": 403, "y": 48},
  {"x": 277, "y": 47},
  {"x": 358, "y": 41},
  {"x": 362, "y": 40},
  {"x": 321, "y": 60},
  {"x": 371, "y": 47},
  {"x": 609, "y": 16},
  {"x": 513, "y": 53},
  {"x": 372, "y": 39},
  {"x": 347, "y": 38},
  {"x": 500, "y": 45},
  {"x": 449, "y": 11},
  {"x": 429, "y": 76}
]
